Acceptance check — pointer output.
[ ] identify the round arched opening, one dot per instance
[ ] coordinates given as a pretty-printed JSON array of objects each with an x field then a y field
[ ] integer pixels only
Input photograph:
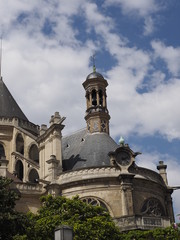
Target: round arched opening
[
  {"x": 20, "y": 144},
  {"x": 94, "y": 100},
  {"x": 19, "y": 169},
  {"x": 34, "y": 153},
  {"x": 94, "y": 202},
  {"x": 152, "y": 207},
  {"x": 2, "y": 152},
  {"x": 33, "y": 176}
]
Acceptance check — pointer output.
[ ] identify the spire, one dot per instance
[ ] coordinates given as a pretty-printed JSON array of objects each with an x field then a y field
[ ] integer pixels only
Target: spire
[
  {"x": 93, "y": 61},
  {"x": 8, "y": 106},
  {"x": 0, "y": 58}
]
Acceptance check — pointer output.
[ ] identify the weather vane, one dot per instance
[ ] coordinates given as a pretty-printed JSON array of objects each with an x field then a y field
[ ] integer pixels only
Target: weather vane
[{"x": 93, "y": 61}]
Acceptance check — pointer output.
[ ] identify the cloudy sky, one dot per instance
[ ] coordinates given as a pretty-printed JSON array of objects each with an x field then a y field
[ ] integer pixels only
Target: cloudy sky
[{"x": 47, "y": 49}]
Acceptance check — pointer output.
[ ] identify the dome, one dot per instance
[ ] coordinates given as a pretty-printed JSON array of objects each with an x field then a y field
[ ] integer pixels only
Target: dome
[
  {"x": 82, "y": 150},
  {"x": 94, "y": 75}
]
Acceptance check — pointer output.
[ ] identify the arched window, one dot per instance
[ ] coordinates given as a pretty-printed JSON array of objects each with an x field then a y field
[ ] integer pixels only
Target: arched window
[
  {"x": 94, "y": 100},
  {"x": 20, "y": 144},
  {"x": 94, "y": 202},
  {"x": 34, "y": 153},
  {"x": 33, "y": 176},
  {"x": 152, "y": 207},
  {"x": 2, "y": 152},
  {"x": 19, "y": 169},
  {"x": 100, "y": 98}
]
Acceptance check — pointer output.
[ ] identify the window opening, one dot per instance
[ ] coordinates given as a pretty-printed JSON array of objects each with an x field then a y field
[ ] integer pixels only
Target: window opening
[
  {"x": 33, "y": 176},
  {"x": 19, "y": 170},
  {"x": 94, "y": 100},
  {"x": 2, "y": 152},
  {"x": 34, "y": 153},
  {"x": 152, "y": 207},
  {"x": 100, "y": 98},
  {"x": 20, "y": 144},
  {"x": 94, "y": 202}
]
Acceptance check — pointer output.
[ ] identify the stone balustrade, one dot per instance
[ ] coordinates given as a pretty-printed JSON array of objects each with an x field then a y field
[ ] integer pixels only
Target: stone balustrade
[
  {"x": 88, "y": 173},
  {"x": 142, "y": 222},
  {"x": 29, "y": 188}
]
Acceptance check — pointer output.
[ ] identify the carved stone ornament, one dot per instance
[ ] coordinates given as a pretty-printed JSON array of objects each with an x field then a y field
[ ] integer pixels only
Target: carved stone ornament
[
  {"x": 152, "y": 207},
  {"x": 94, "y": 202},
  {"x": 123, "y": 157}
]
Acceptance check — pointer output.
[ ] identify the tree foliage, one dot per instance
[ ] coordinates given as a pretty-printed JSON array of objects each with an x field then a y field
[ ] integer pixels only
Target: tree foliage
[
  {"x": 11, "y": 222},
  {"x": 88, "y": 222},
  {"x": 168, "y": 233}
]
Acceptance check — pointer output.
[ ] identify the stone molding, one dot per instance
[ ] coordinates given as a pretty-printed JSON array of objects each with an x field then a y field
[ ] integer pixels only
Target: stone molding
[
  {"x": 88, "y": 173},
  {"x": 29, "y": 188}
]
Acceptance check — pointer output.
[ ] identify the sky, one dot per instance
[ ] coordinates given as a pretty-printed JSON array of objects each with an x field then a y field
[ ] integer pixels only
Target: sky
[{"x": 46, "y": 56}]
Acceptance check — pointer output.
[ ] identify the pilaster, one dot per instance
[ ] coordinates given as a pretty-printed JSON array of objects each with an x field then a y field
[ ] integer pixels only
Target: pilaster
[{"x": 126, "y": 186}]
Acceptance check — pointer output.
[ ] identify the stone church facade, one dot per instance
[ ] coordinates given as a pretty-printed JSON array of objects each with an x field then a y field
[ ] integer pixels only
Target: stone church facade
[{"x": 88, "y": 163}]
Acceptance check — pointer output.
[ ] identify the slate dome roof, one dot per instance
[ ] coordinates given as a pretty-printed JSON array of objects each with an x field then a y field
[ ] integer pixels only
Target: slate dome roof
[
  {"x": 83, "y": 150},
  {"x": 94, "y": 75}
]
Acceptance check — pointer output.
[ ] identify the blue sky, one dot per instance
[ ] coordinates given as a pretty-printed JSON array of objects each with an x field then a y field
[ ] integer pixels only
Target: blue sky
[{"x": 46, "y": 57}]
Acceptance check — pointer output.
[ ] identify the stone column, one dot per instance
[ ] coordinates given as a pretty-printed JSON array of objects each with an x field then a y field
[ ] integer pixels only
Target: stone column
[
  {"x": 127, "y": 190},
  {"x": 3, "y": 166},
  {"x": 90, "y": 99},
  {"x": 104, "y": 100},
  {"x": 54, "y": 189},
  {"x": 170, "y": 206},
  {"x": 162, "y": 171},
  {"x": 53, "y": 167},
  {"x": 97, "y": 97}
]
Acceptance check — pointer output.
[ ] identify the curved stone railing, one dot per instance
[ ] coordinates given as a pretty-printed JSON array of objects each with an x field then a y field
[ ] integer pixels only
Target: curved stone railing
[
  {"x": 29, "y": 188},
  {"x": 88, "y": 173},
  {"x": 140, "y": 222},
  {"x": 148, "y": 174}
]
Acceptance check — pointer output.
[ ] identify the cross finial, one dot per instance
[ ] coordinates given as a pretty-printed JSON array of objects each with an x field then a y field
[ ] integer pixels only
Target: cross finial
[{"x": 93, "y": 61}]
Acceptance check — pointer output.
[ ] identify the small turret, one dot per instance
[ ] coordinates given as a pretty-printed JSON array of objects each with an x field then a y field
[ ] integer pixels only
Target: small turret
[
  {"x": 97, "y": 115},
  {"x": 162, "y": 171}
]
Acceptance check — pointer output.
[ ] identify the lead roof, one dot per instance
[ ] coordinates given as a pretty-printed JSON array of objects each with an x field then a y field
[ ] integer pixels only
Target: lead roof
[
  {"x": 83, "y": 150},
  {"x": 8, "y": 106}
]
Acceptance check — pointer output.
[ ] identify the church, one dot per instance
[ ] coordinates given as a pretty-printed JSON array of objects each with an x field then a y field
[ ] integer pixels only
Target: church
[{"x": 88, "y": 163}]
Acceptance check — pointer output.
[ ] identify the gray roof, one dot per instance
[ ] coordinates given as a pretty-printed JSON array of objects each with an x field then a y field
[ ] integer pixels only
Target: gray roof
[
  {"x": 94, "y": 75},
  {"x": 82, "y": 150},
  {"x": 8, "y": 106}
]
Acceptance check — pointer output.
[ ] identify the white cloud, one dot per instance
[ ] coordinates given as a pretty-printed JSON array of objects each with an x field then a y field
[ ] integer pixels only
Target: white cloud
[
  {"x": 50, "y": 70},
  {"x": 169, "y": 54},
  {"x": 145, "y": 114},
  {"x": 148, "y": 26},
  {"x": 140, "y": 7}
]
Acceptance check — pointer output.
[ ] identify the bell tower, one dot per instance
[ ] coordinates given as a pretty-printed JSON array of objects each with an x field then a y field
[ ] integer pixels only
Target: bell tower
[{"x": 97, "y": 115}]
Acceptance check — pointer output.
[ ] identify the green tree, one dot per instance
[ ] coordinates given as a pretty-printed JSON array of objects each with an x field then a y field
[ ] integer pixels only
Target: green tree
[
  {"x": 11, "y": 222},
  {"x": 88, "y": 222},
  {"x": 169, "y": 233}
]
